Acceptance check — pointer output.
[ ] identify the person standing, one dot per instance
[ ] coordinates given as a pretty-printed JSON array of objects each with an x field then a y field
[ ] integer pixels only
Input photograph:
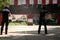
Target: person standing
[
  {"x": 42, "y": 19},
  {"x": 5, "y": 13}
]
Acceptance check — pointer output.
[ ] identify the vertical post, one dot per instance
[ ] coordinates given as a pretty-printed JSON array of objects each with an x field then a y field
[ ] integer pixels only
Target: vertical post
[
  {"x": 30, "y": 19},
  {"x": 0, "y": 18}
]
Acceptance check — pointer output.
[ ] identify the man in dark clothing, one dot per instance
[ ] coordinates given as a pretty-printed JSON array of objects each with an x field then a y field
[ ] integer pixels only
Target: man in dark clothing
[
  {"x": 42, "y": 19},
  {"x": 5, "y": 13}
]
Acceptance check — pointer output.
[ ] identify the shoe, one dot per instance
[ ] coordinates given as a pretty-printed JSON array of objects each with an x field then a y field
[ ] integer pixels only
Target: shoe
[
  {"x": 5, "y": 33},
  {"x": 38, "y": 32},
  {"x": 46, "y": 33}
]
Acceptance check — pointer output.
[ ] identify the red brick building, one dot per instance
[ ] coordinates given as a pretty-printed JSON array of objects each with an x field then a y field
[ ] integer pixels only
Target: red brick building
[{"x": 31, "y": 6}]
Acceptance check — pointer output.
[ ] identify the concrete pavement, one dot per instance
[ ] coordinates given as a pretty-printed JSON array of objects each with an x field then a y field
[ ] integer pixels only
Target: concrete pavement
[{"x": 24, "y": 32}]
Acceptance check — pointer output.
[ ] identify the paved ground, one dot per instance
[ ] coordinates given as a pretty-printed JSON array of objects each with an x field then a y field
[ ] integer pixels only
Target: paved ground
[{"x": 20, "y": 32}]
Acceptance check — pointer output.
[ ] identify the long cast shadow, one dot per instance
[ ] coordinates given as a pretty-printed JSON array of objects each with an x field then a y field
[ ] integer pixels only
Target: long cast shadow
[
  {"x": 55, "y": 31},
  {"x": 50, "y": 31}
]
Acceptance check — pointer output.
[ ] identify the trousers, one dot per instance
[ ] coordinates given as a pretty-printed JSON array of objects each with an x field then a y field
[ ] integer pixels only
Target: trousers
[{"x": 4, "y": 21}]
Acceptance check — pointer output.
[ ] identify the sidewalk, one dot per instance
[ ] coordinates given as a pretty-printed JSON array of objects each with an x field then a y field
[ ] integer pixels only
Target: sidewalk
[{"x": 30, "y": 33}]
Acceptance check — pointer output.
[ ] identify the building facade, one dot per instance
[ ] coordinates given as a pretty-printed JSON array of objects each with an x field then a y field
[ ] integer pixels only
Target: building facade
[{"x": 31, "y": 7}]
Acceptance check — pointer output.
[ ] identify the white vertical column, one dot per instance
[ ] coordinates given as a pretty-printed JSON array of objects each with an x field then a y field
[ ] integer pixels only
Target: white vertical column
[
  {"x": 47, "y": 1},
  {"x": 23, "y": 1},
  {"x": 39, "y": 1},
  {"x": 54, "y": 1},
  {"x": 19, "y": 2},
  {"x": 11, "y": 2},
  {"x": 31, "y": 2}
]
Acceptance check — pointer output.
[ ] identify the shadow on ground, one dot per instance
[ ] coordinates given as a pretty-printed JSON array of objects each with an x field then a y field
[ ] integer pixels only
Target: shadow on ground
[
  {"x": 32, "y": 37},
  {"x": 50, "y": 31},
  {"x": 53, "y": 34}
]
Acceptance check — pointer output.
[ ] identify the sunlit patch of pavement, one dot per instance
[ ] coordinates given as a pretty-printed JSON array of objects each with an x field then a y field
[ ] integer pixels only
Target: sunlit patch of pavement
[{"x": 30, "y": 33}]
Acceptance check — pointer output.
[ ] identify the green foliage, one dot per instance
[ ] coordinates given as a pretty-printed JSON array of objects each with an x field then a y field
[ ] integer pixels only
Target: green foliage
[
  {"x": 18, "y": 23},
  {"x": 3, "y": 3}
]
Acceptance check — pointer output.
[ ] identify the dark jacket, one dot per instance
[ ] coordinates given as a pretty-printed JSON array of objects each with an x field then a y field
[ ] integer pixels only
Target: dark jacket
[
  {"x": 5, "y": 13},
  {"x": 42, "y": 13}
]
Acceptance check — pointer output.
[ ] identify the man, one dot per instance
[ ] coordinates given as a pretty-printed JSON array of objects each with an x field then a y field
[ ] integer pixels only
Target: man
[
  {"x": 5, "y": 13},
  {"x": 42, "y": 19}
]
